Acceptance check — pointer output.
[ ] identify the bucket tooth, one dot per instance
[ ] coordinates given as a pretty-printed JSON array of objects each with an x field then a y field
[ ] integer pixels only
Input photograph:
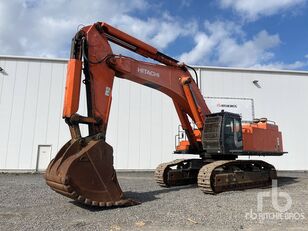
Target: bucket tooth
[
  {"x": 102, "y": 204},
  {"x": 94, "y": 203},
  {"x": 87, "y": 201}
]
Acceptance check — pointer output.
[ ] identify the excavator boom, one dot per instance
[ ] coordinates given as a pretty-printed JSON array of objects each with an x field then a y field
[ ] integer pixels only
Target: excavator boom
[{"x": 83, "y": 168}]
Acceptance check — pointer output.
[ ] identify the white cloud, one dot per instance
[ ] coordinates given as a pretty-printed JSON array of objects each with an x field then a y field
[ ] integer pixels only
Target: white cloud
[
  {"x": 45, "y": 28},
  {"x": 282, "y": 65},
  {"x": 224, "y": 43},
  {"x": 306, "y": 56},
  {"x": 253, "y": 9},
  {"x": 159, "y": 32},
  {"x": 248, "y": 53},
  {"x": 203, "y": 47},
  {"x": 207, "y": 40}
]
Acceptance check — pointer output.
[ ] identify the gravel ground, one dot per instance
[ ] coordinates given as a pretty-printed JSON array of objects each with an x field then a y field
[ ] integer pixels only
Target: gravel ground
[{"x": 26, "y": 203}]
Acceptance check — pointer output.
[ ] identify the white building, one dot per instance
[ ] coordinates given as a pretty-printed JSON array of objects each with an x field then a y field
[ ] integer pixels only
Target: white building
[{"x": 143, "y": 122}]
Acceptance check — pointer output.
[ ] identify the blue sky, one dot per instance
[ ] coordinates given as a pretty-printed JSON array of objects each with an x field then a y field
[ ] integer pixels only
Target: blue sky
[{"x": 240, "y": 33}]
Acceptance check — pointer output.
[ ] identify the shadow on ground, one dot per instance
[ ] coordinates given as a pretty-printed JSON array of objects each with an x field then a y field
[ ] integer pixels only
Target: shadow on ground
[
  {"x": 138, "y": 196},
  {"x": 286, "y": 180},
  {"x": 152, "y": 195}
]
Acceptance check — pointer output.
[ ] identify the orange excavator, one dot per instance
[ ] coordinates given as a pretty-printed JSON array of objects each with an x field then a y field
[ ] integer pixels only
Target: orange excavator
[{"x": 83, "y": 168}]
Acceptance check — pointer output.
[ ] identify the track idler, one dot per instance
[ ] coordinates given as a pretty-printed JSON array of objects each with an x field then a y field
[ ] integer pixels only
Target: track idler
[{"x": 84, "y": 172}]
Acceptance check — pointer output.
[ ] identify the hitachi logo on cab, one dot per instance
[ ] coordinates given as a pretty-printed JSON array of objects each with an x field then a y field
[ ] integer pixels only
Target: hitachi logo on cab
[{"x": 148, "y": 72}]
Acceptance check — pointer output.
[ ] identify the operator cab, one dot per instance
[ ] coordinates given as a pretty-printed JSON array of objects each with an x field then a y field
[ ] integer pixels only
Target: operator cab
[{"x": 222, "y": 133}]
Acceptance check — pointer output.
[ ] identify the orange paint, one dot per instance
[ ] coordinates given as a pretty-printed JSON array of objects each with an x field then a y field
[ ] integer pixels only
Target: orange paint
[
  {"x": 262, "y": 137},
  {"x": 185, "y": 145},
  {"x": 72, "y": 88}
]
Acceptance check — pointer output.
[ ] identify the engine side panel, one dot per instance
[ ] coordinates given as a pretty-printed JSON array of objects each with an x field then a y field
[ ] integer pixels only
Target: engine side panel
[{"x": 262, "y": 137}]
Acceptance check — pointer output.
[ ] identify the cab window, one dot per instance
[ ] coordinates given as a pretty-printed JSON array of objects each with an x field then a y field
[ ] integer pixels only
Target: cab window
[
  {"x": 229, "y": 126},
  {"x": 237, "y": 130}
]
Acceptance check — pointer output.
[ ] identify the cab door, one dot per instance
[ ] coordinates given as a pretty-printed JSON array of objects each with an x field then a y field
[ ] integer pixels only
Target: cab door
[{"x": 232, "y": 134}]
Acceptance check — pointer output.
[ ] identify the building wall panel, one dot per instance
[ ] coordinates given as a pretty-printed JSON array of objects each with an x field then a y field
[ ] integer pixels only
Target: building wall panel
[
  {"x": 16, "y": 111},
  {"x": 143, "y": 122},
  {"x": 7, "y": 93},
  {"x": 29, "y": 114}
]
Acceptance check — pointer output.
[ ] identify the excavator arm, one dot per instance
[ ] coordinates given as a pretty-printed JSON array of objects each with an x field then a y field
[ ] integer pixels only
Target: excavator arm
[{"x": 83, "y": 168}]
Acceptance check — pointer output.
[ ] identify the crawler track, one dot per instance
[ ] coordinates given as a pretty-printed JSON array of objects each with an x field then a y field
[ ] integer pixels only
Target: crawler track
[
  {"x": 221, "y": 176},
  {"x": 217, "y": 176}
]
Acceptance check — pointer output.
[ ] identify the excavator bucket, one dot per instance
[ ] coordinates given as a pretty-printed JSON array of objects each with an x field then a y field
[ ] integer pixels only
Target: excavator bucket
[{"x": 84, "y": 172}]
